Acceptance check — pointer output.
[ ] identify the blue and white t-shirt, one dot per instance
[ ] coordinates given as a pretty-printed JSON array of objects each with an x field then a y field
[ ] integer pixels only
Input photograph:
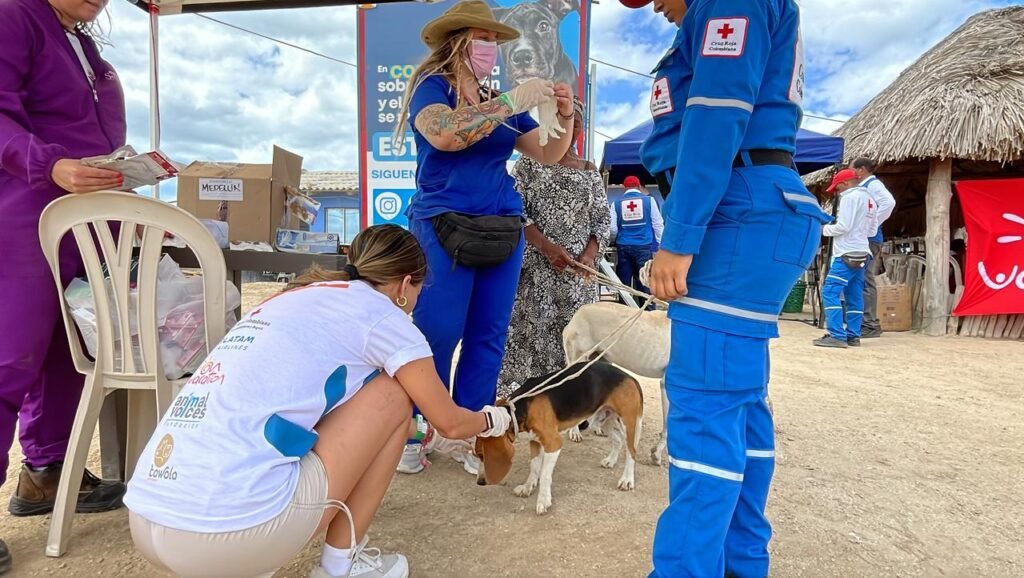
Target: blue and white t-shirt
[{"x": 226, "y": 455}]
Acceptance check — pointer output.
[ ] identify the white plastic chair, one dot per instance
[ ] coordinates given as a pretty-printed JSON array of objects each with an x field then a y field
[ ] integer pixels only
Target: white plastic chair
[{"x": 87, "y": 216}]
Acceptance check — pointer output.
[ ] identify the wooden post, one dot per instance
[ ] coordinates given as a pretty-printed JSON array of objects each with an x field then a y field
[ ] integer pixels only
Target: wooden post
[{"x": 936, "y": 282}]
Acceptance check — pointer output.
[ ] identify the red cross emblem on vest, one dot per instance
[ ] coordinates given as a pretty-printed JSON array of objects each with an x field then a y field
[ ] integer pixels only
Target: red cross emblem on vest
[
  {"x": 726, "y": 31},
  {"x": 631, "y": 206}
]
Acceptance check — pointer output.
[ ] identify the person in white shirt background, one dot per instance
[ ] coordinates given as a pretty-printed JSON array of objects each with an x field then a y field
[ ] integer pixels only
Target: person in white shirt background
[
  {"x": 886, "y": 204},
  {"x": 855, "y": 222},
  {"x": 636, "y": 229},
  {"x": 300, "y": 413}
]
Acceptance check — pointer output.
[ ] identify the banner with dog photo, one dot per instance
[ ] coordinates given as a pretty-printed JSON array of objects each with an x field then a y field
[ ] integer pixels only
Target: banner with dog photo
[{"x": 552, "y": 45}]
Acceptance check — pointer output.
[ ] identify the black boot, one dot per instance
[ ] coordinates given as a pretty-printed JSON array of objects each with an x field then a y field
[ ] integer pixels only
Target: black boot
[
  {"x": 5, "y": 558},
  {"x": 37, "y": 493}
]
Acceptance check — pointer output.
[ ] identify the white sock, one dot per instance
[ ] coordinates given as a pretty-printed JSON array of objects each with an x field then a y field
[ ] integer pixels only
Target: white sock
[{"x": 335, "y": 560}]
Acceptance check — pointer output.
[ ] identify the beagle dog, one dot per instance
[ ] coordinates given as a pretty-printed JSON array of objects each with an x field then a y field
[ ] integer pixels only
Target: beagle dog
[
  {"x": 644, "y": 350},
  {"x": 603, "y": 393}
]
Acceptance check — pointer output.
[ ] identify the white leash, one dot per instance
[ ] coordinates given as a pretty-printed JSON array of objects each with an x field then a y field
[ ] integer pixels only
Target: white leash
[
  {"x": 547, "y": 384},
  {"x": 618, "y": 285}
]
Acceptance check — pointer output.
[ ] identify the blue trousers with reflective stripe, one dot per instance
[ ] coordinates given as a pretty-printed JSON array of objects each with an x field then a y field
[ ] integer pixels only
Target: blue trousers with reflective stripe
[
  {"x": 471, "y": 305},
  {"x": 762, "y": 237},
  {"x": 849, "y": 283},
  {"x": 721, "y": 445}
]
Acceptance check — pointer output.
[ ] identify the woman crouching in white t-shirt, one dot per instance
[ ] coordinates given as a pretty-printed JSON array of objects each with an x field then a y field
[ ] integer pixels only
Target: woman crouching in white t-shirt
[{"x": 302, "y": 409}]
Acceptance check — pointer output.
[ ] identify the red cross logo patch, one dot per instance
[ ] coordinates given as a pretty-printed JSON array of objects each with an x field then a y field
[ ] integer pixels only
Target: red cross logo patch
[
  {"x": 661, "y": 98},
  {"x": 632, "y": 211},
  {"x": 725, "y": 37}
]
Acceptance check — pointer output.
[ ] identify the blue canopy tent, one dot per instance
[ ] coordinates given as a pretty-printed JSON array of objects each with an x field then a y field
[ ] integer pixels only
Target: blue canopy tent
[{"x": 622, "y": 155}]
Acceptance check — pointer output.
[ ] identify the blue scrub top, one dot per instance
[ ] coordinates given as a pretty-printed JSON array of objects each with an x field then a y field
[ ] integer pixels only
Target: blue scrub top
[{"x": 473, "y": 181}]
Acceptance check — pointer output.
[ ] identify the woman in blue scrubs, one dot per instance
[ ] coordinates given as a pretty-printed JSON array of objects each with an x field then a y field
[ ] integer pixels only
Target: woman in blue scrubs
[{"x": 466, "y": 213}]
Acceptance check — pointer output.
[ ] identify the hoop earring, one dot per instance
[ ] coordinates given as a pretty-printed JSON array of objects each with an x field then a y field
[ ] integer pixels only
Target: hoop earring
[{"x": 401, "y": 301}]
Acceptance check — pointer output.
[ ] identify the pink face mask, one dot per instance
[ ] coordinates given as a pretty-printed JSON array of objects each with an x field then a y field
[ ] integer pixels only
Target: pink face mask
[{"x": 483, "y": 55}]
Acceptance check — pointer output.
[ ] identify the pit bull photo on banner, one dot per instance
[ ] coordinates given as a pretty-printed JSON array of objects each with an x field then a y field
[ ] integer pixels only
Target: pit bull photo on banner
[{"x": 539, "y": 52}]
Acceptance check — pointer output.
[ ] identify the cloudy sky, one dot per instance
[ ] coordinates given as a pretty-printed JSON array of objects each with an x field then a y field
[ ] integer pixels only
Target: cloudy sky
[{"x": 229, "y": 96}]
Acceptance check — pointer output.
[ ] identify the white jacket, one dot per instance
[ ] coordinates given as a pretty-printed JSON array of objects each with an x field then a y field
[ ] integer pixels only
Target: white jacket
[
  {"x": 856, "y": 222},
  {"x": 883, "y": 199}
]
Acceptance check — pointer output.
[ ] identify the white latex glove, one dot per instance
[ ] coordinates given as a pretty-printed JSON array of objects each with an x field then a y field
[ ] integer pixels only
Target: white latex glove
[
  {"x": 529, "y": 95},
  {"x": 645, "y": 273},
  {"x": 445, "y": 446},
  {"x": 547, "y": 117},
  {"x": 500, "y": 420}
]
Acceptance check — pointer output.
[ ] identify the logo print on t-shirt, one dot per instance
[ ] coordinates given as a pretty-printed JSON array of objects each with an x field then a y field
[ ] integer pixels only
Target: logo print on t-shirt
[
  {"x": 160, "y": 470},
  {"x": 209, "y": 373},
  {"x": 187, "y": 411},
  {"x": 163, "y": 451}
]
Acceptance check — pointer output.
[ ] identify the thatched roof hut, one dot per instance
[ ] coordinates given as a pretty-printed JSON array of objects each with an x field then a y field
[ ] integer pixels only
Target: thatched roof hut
[
  {"x": 963, "y": 100},
  {"x": 955, "y": 113}
]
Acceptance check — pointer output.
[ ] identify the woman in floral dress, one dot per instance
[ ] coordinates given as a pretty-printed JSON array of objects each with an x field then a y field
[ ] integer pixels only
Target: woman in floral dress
[{"x": 567, "y": 216}]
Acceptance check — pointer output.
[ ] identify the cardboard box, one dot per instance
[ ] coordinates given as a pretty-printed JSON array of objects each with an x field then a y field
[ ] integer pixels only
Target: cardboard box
[
  {"x": 895, "y": 312},
  {"x": 253, "y": 194}
]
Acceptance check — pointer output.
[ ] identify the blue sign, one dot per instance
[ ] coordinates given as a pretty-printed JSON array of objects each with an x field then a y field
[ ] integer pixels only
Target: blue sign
[
  {"x": 553, "y": 45},
  {"x": 389, "y": 206}
]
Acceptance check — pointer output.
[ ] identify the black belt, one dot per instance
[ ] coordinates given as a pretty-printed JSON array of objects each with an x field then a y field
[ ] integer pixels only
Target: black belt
[{"x": 760, "y": 157}]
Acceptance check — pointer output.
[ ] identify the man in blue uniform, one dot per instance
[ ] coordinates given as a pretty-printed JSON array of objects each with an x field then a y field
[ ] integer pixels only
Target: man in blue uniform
[
  {"x": 740, "y": 228},
  {"x": 636, "y": 228}
]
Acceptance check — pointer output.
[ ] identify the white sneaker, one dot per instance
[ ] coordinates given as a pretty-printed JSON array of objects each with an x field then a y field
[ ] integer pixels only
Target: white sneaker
[
  {"x": 469, "y": 462},
  {"x": 414, "y": 460},
  {"x": 370, "y": 563}
]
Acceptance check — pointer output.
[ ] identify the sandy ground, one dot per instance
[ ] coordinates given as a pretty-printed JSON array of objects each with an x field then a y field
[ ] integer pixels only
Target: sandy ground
[{"x": 903, "y": 458}]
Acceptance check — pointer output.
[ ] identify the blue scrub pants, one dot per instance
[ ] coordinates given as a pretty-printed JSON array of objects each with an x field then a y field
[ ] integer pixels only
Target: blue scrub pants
[
  {"x": 721, "y": 445},
  {"x": 849, "y": 283},
  {"x": 473, "y": 305}
]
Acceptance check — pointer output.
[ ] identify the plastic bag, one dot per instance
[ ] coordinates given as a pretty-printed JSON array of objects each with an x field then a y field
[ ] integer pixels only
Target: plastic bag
[{"x": 179, "y": 318}]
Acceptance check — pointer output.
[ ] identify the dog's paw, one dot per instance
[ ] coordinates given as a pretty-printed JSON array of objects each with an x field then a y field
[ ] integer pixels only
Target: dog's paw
[
  {"x": 609, "y": 462},
  {"x": 599, "y": 431},
  {"x": 575, "y": 435},
  {"x": 626, "y": 484},
  {"x": 543, "y": 504},
  {"x": 656, "y": 456},
  {"x": 524, "y": 490}
]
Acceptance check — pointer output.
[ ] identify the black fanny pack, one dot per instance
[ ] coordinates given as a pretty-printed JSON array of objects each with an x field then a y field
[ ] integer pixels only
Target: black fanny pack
[
  {"x": 855, "y": 260},
  {"x": 478, "y": 241}
]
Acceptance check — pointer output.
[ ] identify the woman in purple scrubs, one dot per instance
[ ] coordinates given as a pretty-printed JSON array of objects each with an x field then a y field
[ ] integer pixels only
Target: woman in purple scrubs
[{"x": 59, "y": 102}]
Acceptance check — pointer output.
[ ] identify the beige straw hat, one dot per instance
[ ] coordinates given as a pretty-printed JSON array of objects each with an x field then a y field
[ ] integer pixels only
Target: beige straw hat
[{"x": 465, "y": 14}]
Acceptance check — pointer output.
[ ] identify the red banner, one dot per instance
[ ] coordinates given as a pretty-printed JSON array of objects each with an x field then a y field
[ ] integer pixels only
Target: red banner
[{"x": 994, "y": 269}]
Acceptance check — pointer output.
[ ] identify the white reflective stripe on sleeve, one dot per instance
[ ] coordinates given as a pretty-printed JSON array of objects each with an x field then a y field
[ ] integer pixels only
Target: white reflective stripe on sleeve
[
  {"x": 798, "y": 198},
  {"x": 734, "y": 311},
  {"x": 720, "y": 103},
  {"x": 705, "y": 469},
  {"x": 852, "y": 312},
  {"x": 837, "y": 278},
  {"x": 830, "y": 308},
  {"x": 760, "y": 453}
]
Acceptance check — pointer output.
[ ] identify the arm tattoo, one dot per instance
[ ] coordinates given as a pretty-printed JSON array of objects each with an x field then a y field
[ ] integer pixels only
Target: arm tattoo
[{"x": 466, "y": 126}]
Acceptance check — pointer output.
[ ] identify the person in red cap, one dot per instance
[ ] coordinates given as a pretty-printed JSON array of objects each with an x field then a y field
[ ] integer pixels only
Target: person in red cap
[
  {"x": 855, "y": 223},
  {"x": 636, "y": 228},
  {"x": 740, "y": 230}
]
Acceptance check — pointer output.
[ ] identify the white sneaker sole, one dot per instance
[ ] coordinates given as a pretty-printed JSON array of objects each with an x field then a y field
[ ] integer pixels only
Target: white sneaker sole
[
  {"x": 470, "y": 469},
  {"x": 406, "y": 470}
]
